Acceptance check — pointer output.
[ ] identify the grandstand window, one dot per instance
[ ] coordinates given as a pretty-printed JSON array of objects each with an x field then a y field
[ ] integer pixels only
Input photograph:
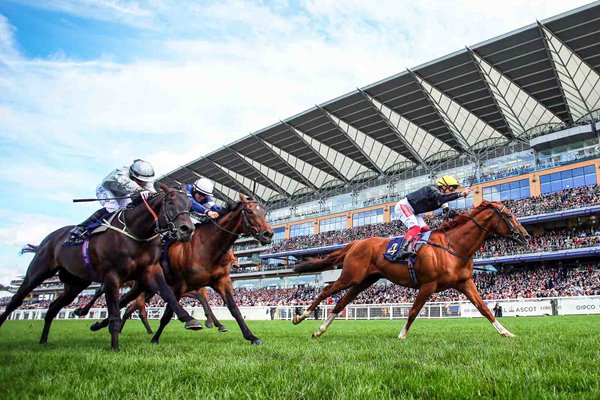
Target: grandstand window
[
  {"x": 577, "y": 177},
  {"x": 301, "y": 229},
  {"x": 278, "y": 234},
  {"x": 367, "y": 217},
  {"x": 332, "y": 224},
  {"x": 507, "y": 191},
  {"x": 461, "y": 203}
]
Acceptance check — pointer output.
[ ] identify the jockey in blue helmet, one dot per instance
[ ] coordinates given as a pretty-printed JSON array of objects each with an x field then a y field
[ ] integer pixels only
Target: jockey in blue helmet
[{"x": 200, "y": 195}]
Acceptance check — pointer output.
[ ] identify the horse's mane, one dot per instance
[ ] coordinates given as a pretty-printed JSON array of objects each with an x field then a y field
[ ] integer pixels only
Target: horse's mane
[{"x": 464, "y": 217}]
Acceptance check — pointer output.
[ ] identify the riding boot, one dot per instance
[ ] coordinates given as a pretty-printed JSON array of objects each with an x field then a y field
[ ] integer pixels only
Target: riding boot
[
  {"x": 405, "y": 251},
  {"x": 78, "y": 231}
]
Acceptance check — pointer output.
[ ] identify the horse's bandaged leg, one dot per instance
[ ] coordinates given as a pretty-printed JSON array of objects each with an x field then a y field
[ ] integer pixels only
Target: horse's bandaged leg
[
  {"x": 323, "y": 328},
  {"x": 502, "y": 330},
  {"x": 403, "y": 333}
]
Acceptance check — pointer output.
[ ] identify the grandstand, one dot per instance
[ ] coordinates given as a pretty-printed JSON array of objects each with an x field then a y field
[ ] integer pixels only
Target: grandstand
[{"x": 516, "y": 117}]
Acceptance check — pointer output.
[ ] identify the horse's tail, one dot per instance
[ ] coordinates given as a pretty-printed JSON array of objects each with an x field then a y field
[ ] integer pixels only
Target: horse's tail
[
  {"x": 29, "y": 248},
  {"x": 323, "y": 264}
]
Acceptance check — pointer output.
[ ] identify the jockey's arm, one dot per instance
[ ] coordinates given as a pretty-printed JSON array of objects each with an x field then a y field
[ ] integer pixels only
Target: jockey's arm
[{"x": 441, "y": 198}]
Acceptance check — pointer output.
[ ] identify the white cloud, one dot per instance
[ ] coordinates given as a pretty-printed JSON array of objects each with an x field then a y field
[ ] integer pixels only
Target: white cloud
[{"x": 21, "y": 228}]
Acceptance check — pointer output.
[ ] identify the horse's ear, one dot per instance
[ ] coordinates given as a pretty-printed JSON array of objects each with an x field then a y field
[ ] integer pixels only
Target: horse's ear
[
  {"x": 164, "y": 187},
  {"x": 243, "y": 198}
]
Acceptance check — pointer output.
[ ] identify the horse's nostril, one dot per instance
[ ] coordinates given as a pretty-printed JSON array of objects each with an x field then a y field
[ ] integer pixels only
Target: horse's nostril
[
  {"x": 184, "y": 229},
  {"x": 268, "y": 235}
]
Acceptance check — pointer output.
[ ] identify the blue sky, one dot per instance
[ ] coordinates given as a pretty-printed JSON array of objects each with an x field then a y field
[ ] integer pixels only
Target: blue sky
[{"x": 89, "y": 85}]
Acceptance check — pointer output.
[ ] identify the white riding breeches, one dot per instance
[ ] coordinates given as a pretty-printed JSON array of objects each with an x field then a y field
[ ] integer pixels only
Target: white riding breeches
[
  {"x": 102, "y": 194},
  {"x": 407, "y": 215}
]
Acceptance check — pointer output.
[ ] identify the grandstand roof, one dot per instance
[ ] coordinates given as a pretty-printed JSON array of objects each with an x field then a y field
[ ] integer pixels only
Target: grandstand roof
[{"x": 481, "y": 97}]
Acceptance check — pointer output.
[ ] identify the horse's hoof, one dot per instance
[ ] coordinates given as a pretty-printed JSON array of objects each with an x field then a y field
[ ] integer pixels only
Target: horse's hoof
[
  {"x": 256, "y": 342},
  {"x": 193, "y": 325},
  {"x": 154, "y": 341},
  {"x": 508, "y": 334},
  {"x": 296, "y": 320},
  {"x": 316, "y": 335},
  {"x": 79, "y": 312},
  {"x": 96, "y": 326},
  {"x": 208, "y": 325},
  {"x": 149, "y": 332},
  {"x": 223, "y": 329}
]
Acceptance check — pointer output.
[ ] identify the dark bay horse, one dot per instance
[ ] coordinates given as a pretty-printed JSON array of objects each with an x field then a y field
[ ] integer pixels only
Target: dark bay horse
[
  {"x": 445, "y": 263},
  {"x": 128, "y": 250},
  {"x": 203, "y": 262}
]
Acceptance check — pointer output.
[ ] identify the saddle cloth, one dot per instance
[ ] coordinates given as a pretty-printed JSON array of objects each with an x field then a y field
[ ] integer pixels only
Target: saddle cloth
[{"x": 394, "y": 246}]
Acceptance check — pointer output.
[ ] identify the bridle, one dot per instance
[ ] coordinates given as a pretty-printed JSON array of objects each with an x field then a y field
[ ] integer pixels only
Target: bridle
[
  {"x": 252, "y": 230},
  {"x": 167, "y": 230},
  {"x": 170, "y": 224},
  {"x": 514, "y": 234}
]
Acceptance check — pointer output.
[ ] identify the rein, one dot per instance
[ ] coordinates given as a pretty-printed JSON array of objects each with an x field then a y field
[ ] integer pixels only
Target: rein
[
  {"x": 513, "y": 233},
  {"x": 244, "y": 219},
  {"x": 158, "y": 231}
]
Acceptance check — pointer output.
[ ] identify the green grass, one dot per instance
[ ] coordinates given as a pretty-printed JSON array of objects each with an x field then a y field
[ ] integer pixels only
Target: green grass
[{"x": 552, "y": 357}]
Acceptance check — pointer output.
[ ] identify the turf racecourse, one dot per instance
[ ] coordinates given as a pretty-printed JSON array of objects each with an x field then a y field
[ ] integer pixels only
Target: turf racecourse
[{"x": 552, "y": 357}]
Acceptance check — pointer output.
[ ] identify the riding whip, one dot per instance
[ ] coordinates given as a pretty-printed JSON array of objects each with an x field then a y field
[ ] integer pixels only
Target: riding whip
[{"x": 94, "y": 199}]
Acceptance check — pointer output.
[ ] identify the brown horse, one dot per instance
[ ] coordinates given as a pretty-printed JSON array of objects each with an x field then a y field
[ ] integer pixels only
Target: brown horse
[
  {"x": 203, "y": 262},
  {"x": 128, "y": 250},
  {"x": 446, "y": 262}
]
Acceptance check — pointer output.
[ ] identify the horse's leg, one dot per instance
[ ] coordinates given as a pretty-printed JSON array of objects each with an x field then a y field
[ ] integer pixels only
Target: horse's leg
[
  {"x": 81, "y": 311},
  {"x": 469, "y": 289},
  {"x": 72, "y": 288},
  {"x": 328, "y": 291},
  {"x": 424, "y": 293},
  {"x": 30, "y": 282},
  {"x": 158, "y": 283},
  {"x": 343, "y": 302},
  {"x": 123, "y": 302},
  {"x": 127, "y": 314},
  {"x": 210, "y": 316},
  {"x": 144, "y": 316},
  {"x": 164, "y": 321},
  {"x": 225, "y": 289},
  {"x": 111, "y": 287}
]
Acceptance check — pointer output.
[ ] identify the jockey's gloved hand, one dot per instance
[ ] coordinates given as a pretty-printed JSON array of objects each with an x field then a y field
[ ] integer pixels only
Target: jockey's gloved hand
[
  {"x": 145, "y": 193},
  {"x": 451, "y": 213},
  {"x": 212, "y": 214}
]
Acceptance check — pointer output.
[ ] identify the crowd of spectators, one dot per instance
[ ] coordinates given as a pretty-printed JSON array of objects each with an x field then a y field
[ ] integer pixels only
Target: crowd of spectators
[
  {"x": 563, "y": 200},
  {"x": 512, "y": 283},
  {"x": 492, "y": 175}
]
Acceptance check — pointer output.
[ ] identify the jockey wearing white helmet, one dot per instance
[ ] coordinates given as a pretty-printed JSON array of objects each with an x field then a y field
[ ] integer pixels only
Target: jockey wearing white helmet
[
  {"x": 122, "y": 182},
  {"x": 200, "y": 195}
]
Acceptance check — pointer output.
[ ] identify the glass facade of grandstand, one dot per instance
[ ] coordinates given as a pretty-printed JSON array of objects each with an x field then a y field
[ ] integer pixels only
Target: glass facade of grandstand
[
  {"x": 332, "y": 224},
  {"x": 367, "y": 217},
  {"x": 573, "y": 178},
  {"x": 301, "y": 229},
  {"x": 507, "y": 191}
]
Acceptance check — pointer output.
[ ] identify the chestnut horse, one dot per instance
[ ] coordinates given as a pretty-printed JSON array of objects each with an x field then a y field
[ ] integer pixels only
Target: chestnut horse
[
  {"x": 128, "y": 250},
  {"x": 445, "y": 263},
  {"x": 203, "y": 262}
]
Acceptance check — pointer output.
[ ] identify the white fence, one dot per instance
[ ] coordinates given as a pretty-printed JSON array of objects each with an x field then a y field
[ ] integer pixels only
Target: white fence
[{"x": 455, "y": 309}]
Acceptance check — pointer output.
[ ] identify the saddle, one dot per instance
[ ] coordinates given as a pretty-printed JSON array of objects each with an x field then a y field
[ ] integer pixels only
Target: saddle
[
  {"x": 93, "y": 228},
  {"x": 395, "y": 243}
]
